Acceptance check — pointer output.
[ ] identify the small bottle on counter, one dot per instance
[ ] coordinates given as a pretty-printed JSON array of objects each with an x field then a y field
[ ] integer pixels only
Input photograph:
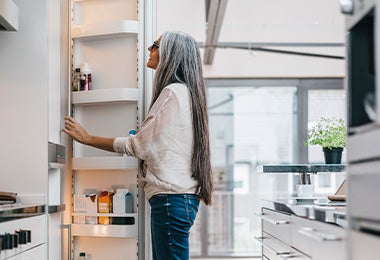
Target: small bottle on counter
[{"x": 132, "y": 132}]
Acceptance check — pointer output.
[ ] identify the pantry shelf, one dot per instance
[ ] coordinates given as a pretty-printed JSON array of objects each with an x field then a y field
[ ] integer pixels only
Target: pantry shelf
[
  {"x": 104, "y": 163},
  {"x": 99, "y": 96},
  {"x": 110, "y": 30},
  {"x": 104, "y": 230}
]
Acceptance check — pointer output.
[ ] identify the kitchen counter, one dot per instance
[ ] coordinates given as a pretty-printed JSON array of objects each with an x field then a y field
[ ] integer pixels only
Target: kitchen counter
[
  {"x": 18, "y": 211},
  {"x": 327, "y": 214},
  {"x": 298, "y": 168}
]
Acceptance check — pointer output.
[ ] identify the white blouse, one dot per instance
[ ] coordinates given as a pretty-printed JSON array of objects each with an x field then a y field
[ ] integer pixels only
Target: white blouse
[{"x": 165, "y": 142}]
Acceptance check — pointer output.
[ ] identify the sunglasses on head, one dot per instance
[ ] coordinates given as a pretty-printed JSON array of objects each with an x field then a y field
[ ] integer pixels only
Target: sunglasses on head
[{"x": 155, "y": 45}]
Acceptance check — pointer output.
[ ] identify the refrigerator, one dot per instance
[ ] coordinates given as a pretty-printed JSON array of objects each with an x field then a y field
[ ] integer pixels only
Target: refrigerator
[
  {"x": 36, "y": 76},
  {"x": 362, "y": 83}
]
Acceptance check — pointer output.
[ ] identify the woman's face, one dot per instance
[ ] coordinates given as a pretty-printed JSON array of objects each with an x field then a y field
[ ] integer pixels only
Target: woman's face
[{"x": 154, "y": 57}]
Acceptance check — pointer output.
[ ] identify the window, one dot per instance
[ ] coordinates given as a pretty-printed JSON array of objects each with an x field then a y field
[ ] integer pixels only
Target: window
[{"x": 256, "y": 122}]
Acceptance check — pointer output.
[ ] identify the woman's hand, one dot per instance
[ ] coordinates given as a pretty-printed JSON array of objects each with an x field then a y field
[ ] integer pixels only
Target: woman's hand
[{"x": 76, "y": 130}]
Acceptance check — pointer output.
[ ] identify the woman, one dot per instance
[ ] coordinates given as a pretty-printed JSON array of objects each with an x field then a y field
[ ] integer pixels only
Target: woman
[{"x": 172, "y": 142}]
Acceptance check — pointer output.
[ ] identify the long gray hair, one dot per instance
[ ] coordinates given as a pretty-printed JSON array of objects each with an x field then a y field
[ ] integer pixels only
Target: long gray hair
[{"x": 180, "y": 61}]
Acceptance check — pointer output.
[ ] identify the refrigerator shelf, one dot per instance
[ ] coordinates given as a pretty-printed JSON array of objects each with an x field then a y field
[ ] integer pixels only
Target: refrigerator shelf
[
  {"x": 104, "y": 214},
  {"x": 108, "y": 30},
  {"x": 104, "y": 230},
  {"x": 104, "y": 163},
  {"x": 99, "y": 96}
]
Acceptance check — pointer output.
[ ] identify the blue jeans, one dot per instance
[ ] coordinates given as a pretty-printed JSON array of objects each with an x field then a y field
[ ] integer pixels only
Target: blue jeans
[{"x": 172, "y": 216}]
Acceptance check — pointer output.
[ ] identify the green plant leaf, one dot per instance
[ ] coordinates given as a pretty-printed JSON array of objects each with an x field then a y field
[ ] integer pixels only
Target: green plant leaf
[{"x": 328, "y": 133}]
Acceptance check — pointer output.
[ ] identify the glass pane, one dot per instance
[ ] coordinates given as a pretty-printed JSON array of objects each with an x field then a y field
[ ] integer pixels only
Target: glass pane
[
  {"x": 328, "y": 104},
  {"x": 248, "y": 126}
]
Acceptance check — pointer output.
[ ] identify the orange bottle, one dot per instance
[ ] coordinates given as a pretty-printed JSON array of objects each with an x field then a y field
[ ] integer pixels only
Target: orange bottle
[{"x": 104, "y": 206}]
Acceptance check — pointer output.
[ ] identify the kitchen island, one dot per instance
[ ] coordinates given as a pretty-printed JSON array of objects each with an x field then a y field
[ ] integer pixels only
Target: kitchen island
[{"x": 300, "y": 229}]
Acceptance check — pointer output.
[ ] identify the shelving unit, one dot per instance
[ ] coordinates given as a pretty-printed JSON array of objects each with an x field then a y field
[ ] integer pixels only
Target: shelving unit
[
  {"x": 97, "y": 163},
  {"x": 102, "y": 31},
  {"x": 103, "y": 96},
  {"x": 108, "y": 35},
  {"x": 121, "y": 231}
]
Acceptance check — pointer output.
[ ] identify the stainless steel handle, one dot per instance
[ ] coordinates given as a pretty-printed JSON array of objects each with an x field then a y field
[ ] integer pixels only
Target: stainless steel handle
[
  {"x": 274, "y": 221},
  {"x": 269, "y": 248},
  {"x": 317, "y": 235},
  {"x": 68, "y": 227},
  {"x": 270, "y": 220}
]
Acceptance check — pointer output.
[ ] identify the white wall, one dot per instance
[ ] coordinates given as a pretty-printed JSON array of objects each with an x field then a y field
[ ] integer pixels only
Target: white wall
[{"x": 264, "y": 21}]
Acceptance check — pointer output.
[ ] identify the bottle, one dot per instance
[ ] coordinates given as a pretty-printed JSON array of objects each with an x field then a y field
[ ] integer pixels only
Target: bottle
[
  {"x": 82, "y": 256},
  {"x": 128, "y": 203},
  {"x": 76, "y": 79},
  {"x": 132, "y": 132},
  {"x": 104, "y": 206},
  {"x": 86, "y": 80}
]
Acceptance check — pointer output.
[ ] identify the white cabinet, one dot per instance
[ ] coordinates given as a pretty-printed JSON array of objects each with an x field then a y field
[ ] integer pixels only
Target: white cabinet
[
  {"x": 288, "y": 236},
  {"x": 32, "y": 254},
  {"x": 36, "y": 248},
  {"x": 106, "y": 34}
]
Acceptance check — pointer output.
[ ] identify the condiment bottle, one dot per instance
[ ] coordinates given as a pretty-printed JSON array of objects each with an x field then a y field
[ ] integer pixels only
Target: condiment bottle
[
  {"x": 86, "y": 79},
  {"x": 76, "y": 79},
  {"x": 104, "y": 206}
]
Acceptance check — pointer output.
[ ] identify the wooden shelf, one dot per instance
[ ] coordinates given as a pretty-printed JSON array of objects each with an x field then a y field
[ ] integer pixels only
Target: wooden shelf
[
  {"x": 100, "y": 96},
  {"x": 109, "y": 30},
  {"x": 102, "y": 163},
  {"x": 104, "y": 230}
]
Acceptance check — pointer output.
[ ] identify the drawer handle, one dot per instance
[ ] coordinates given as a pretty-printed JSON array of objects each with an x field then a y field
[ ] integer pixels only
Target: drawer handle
[
  {"x": 261, "y": 241},
  {"x": 317, "y": 235},
  {"x": 274, "y": 221}
]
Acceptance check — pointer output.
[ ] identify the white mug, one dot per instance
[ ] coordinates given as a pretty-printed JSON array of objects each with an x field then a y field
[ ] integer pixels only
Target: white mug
[{"x": 305, "y": 190}]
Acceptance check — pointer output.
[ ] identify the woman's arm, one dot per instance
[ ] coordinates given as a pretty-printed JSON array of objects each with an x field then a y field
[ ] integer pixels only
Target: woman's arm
[{"x": 79, "y": 134}]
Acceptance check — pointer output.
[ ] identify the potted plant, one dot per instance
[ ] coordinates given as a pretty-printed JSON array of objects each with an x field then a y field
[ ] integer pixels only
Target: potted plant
[{"x": 330, "y": 134}]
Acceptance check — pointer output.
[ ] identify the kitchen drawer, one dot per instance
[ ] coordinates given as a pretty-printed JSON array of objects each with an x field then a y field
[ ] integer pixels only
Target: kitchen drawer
[
  {"x": 319, "y": 240},
  {"x": 273, "y": 248},
  {"x": 37, "y": 226},
  {"x": 363, "y": 246},
  {"x": 276, "y": 224}
]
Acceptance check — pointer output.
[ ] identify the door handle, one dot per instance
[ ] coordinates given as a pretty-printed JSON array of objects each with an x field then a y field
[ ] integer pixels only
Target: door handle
[
  {"x": 317, "y": 235},
  {"x": 68, "y": 227},
  {"x": 269, "y": 248},
  {"x": 271, "y": 220}
]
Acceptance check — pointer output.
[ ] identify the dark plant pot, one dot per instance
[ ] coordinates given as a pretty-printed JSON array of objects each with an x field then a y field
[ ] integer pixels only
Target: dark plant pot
[{"x": 333, "y": 155}]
